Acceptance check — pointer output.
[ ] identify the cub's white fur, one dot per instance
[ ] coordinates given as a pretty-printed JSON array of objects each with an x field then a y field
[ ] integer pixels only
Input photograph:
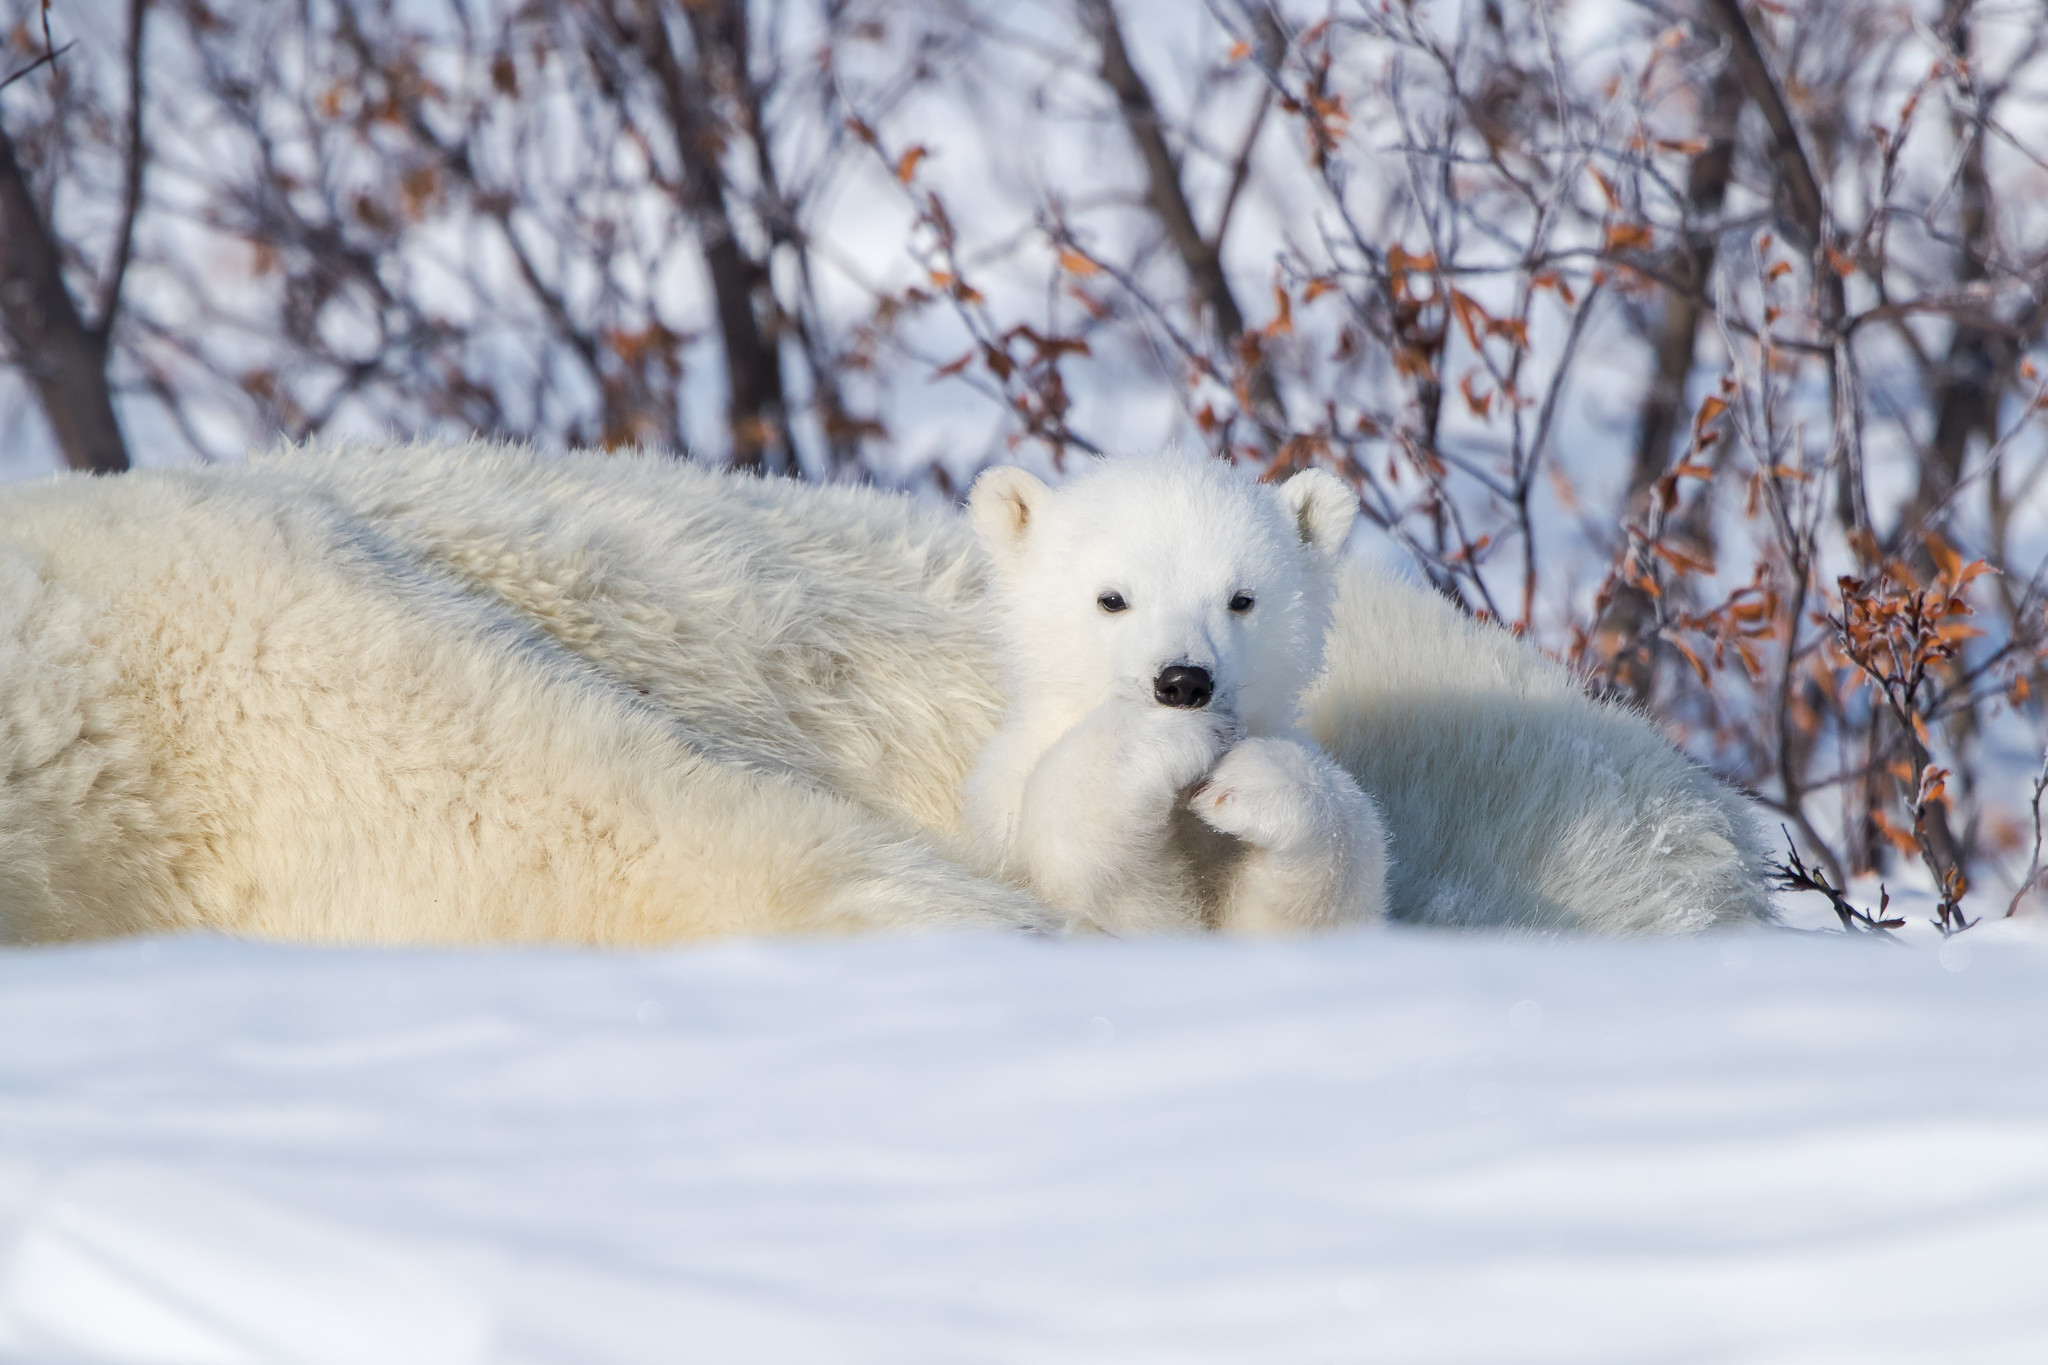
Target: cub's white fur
[
  {"x": 1134, "y": 568},
  {"x": 472, "y": 693}
]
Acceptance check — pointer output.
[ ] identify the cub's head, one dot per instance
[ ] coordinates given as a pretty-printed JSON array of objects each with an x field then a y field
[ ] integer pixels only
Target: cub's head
[{"x": 1178, "y": 580}]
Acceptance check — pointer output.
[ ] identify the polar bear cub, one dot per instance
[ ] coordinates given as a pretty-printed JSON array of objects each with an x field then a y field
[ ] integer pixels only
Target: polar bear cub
[{"x": 1160, "y": 618}]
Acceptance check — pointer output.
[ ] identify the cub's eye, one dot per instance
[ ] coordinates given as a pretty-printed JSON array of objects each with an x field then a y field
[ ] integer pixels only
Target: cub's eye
[
  {"x": 1241, "y": 603},
  {"x": 1112, "y": 602}
]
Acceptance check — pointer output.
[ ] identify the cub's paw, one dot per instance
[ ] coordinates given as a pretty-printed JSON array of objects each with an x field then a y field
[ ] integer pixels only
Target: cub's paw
[
  {"x": 1177, "y": 747},
  {"x": 1271, "y": 793}
]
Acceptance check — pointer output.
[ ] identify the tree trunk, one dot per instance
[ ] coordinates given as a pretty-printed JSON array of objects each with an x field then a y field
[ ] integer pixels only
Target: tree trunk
[
  {"x": 1979, "y": 363},
  {"x": 64, "y": 359},
  {"x": 753, "y": 366}
]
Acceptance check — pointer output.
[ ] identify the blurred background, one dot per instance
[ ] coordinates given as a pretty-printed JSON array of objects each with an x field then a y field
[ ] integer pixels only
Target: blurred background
[{"x": 1692, "y": 340}]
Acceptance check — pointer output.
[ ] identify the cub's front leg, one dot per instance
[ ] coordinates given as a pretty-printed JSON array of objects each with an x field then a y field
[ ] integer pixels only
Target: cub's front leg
[
  {"x": 1315, "y": 848},
  {"x": 1094, "y": 832}
]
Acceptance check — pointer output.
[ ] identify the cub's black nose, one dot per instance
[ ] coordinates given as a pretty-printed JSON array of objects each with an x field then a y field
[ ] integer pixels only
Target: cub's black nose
[{"x": 1183, "y": 685}]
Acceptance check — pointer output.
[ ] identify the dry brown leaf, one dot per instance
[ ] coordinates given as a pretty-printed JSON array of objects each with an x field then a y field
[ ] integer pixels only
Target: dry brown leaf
[
  {"x": 1550, "y": 279},
  {"x": 1283, "y": 318},
  {"x": 1710, "y": 411},
  {"x": 1628, "y": 237},
  {"x": 1481, "y": 404},
  {"x": 1699, "y": 665},
  {"x": 1606, "y": 188},
  {"x": 1472, "y": 316}
]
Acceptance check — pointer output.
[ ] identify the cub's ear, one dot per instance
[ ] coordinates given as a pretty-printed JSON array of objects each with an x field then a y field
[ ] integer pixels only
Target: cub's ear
[
  {"x": 1001, "y": 505},
  {"x": 1324, "y": 507}
]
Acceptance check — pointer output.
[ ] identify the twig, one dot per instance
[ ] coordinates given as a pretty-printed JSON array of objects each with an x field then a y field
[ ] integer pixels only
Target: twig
[
  {"x": 38, "y": 64},
  {"x": 133, "y": 157},
  {"x": 1794, "y": 875},
  {"x": 2034, "y": 863}
]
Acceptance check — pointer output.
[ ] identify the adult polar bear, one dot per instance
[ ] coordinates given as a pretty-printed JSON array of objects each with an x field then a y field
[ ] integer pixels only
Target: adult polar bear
[{"x": 416, "y": 693}]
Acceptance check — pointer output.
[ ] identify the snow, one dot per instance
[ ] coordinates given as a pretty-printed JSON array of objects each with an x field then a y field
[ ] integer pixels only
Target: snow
[{"x": 1395, "y": 1147}]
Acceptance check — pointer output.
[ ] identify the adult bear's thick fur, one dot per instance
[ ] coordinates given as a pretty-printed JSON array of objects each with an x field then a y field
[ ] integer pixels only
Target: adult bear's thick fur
[{"x": 459, "y": 694}]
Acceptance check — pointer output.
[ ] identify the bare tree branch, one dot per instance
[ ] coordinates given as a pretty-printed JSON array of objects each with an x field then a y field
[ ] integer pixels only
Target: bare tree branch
[
  {"x": 1200, "y": 257},
  {"x": 1800, "y": 196},
  {"x": 134, "y": 154}
]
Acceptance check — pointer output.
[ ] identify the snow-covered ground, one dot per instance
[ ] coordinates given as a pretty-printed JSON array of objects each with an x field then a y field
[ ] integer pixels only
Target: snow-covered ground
[{"x": 1405, "y": 1147}]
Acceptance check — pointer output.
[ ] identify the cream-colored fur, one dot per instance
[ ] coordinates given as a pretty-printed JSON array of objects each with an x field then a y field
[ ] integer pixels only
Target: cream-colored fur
[
  {"x": 1512, "y": 798},
  {"x": 230, "y": 704},
  {"x": 417, "y": 693}
]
